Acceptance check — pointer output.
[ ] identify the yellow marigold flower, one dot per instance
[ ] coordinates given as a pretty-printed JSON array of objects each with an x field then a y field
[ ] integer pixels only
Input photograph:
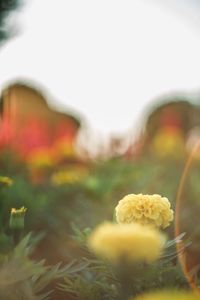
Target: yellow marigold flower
[
  {"x": 131, "y": 242},
  {"x": 144, "y": 209},
  {"x": 167, "y": 295}
]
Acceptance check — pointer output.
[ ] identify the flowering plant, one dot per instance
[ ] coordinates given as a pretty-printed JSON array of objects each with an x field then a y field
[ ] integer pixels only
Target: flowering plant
[
  {"x": 127, "y": 259},
  {"x": 131, "y": 242},
  {"x": 144, "y": 209}
]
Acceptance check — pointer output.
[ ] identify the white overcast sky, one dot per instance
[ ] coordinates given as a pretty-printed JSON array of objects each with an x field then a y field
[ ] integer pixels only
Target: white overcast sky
[{"x": 106, "y": 59}]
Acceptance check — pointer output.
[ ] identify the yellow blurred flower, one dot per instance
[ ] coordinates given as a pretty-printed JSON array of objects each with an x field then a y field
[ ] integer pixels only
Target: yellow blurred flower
[
  {"x": 168, "y": 143},
  {"x": 144, "y": 209},
  {"x": 63, "y": 149},
  {"x": 167, "y": 295},
  {"x": 40, "y": 158},
  {"x": 68, "y": 176},
  {"x": 5, "y": 181},
  {"x": 131, "y": 242}
]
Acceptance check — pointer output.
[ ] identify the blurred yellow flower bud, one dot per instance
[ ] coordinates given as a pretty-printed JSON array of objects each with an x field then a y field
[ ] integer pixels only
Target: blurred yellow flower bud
[
  {"x": 167, "y": 295},
  {"x": 129, "y": 242},
  {"x": 17, "y": 218}
]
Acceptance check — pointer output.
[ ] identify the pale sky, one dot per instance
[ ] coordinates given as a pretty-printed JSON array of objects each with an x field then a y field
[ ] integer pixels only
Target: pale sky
[{"x": 106, "y": 59}]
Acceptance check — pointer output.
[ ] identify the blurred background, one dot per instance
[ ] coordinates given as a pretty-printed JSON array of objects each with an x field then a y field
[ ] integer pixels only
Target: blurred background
[
  {"x": 107, "y": 63},
  {"x": 99, "y": 99}
]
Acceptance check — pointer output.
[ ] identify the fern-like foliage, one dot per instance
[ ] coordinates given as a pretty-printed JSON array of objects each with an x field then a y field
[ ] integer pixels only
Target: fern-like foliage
[
  {"x": 101, "y": 280},
  {"x": 22, "y": 278}
]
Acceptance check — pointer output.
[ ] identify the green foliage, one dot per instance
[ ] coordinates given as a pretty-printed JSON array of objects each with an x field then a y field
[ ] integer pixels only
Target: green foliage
[
  {"x": 17, "y": 273},
  {"x": 95, "y": 281},
  {"x": 102, "y": 280},
  {"x": 21, "y": 277},
  {"x": 52, "y": 207},
  {"x": 66, "y": 213}
]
